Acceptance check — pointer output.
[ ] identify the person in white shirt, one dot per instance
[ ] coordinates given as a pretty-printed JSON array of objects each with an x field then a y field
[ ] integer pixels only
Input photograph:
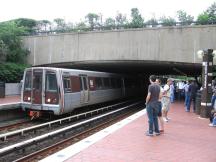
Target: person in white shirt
[{"x": 166, "y": 100}]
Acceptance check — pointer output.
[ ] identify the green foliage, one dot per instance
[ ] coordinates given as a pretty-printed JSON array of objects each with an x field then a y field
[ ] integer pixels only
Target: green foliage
[
  {"x": 167, "y": 21},
  {"x": 61, "y": 24},
  {"x": 137, "y": 20},
  {"x": 211, "y": 11},
  {"x": 28, "y": 24},
  {"x": 203, "y": 19},
  {"x": 109, "y": 23},
  {"x": 184, "y": 18},
  {"x": 11, "y": 72},
  {"x": 152, "y": 22},
  {"x": 92, "y": 19},
  {"x": 43, "y": 25},
  {"x": 11, "y": 42},
  {"x": 121, "y": 20}
]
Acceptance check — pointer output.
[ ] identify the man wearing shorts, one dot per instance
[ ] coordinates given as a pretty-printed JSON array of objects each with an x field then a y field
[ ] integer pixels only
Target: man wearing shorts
[{"x": 166, "y": 99}]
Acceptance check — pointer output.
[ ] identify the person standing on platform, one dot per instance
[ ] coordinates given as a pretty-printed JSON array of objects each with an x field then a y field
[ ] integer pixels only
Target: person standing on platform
[
  {"x": 193, "y": 87},
  {"x": 213, "y": 93},
  {"x": 166, "y": 100},
  {"x": 187, "y": 96},
  {"x": 172, "y": 93},
  {"x": 152, "y": 106},
  {"x": 158, "y": 81}
]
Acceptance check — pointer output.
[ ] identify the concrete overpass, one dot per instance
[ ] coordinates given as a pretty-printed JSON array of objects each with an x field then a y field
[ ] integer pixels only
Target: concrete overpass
[{"x": 165, "y": 50}]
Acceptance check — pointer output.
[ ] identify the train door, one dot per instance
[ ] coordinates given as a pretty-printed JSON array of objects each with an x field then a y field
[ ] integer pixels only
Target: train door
[
  {"x": 84, "y": 89},
  {"x": 37, "y": 86}
]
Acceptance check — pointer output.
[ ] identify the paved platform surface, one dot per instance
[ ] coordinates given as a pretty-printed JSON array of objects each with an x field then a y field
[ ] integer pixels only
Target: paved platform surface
[
  {"x": 187, "y": 138},
  {"x": 9, "y": 102}
]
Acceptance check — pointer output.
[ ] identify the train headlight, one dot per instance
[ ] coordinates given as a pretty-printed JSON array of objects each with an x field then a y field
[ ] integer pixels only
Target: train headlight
[
  {"x": 48, "y": 100},
  {"x": 29, "y": 98}
]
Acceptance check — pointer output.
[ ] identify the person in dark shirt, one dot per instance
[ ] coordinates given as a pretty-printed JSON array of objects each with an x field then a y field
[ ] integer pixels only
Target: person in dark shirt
[
  {"x": 153, "y": 106},
  {"x": 192, "y": 93}
]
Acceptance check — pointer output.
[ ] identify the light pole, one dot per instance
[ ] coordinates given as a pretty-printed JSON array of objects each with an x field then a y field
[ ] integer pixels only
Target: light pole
[{"x": 207, "y": 74}]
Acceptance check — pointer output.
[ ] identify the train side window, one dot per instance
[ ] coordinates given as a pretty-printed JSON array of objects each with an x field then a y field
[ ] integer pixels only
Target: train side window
[
  {"x": 67, "y": 85},
  {"x": 113, "y": 83},
  {"x": 75, "y": 83},
  {"x": 28, "y": 81},
  {"x": 51, "y": 82},
  {"x": 106, "y": 82},
  {"x": 98, "y": 82},
  {"x": 119, "y": 83}
]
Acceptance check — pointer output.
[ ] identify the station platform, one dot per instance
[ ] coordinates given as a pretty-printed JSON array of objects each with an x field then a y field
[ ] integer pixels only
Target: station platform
[
  {"x": 187, "y": 138},
  {"x": 10, "y": 102}
]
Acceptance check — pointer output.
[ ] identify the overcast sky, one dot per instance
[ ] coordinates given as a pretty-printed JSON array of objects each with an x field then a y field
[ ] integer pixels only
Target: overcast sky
[{"x": 76, "y": 10}]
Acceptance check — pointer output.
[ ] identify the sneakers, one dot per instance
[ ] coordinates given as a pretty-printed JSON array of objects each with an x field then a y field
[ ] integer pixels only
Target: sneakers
[
  {"x": 165, "y": 119},
  {"x": 212, "y": 125},
  {"x": 157, "y": 134},
  {"x": 149, "y": 134}
]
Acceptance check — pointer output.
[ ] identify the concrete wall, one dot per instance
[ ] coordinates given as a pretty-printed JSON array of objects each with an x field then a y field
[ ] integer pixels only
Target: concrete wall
[
  {"x": 12, "y": 89},
  {"x": 175, "y": 44}
]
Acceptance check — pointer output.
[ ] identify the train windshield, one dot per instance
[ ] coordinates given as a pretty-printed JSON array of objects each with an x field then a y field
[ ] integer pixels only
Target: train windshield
[
  {"x": 28, "y": 81},
  {"x": 51, "y": 82}
]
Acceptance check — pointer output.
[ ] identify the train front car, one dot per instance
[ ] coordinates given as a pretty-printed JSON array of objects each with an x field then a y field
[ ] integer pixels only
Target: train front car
[{"x": 41, "y": 92}]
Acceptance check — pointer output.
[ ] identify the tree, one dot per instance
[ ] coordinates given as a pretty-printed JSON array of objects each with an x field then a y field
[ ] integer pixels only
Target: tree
[
  {"x": 120, "y": 20},
  {"x": 81, "y": 26},
  {"x": 3, "y": 51},
  {"x": 61, "y": 25},
  {"x": 43, "y": 25},
  {"x": 211, "y": 11},
  {"x": 152, "y": 22},
  {"x": 137, "y": 20},
  {"x": 92, "y": 19},
  {"x": 184, "y": 18},
  {"x": 11, "y": 42},
  {"x": 203, "y": 18},
  {"x": 167, "y": 21},
  {"x": 28, "y": 24},
  {"x": 110, "y": 23}
]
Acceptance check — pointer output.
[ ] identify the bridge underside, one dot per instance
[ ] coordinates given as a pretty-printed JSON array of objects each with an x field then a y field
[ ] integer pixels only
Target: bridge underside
[{"x": 135, "y": 67}]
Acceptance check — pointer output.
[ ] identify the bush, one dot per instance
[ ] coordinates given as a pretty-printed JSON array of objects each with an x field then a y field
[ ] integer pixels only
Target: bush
[{"x": 11, "y": 72}]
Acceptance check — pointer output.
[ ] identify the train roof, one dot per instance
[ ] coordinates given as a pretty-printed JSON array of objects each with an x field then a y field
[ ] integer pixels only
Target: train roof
[{"x": 76, "y": 70}]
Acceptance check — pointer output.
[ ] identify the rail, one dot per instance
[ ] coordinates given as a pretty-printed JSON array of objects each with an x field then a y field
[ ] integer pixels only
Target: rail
[
  {"x": 48, "y": 124},
  {"x": 21, "y": 145}
]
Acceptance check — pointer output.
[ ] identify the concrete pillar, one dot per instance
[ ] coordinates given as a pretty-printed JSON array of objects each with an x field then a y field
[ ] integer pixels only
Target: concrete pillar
[{"x": 207, "y": 66}]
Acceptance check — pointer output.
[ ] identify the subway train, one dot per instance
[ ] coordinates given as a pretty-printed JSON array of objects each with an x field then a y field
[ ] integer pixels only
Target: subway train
[{"x": 56, "y": 91}]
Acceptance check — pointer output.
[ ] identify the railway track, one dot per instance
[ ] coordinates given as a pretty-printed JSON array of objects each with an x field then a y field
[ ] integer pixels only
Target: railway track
[
  {"x": 14, "y": 125},
  {"x": 70, "y": 134}
]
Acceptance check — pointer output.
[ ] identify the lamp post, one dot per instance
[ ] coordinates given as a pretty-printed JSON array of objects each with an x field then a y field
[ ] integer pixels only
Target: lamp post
[{"x": 206, "y": 94}]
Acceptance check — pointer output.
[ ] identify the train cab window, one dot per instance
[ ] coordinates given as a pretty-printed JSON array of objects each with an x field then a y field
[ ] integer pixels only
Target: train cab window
[
  {"x": 37, "y": 81},
  {"x": 98, "y": 82},
  {"x": 51, "y": 82},
  {"x": 67, "y": 85},
  {"x": 28, "y": 81}
]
